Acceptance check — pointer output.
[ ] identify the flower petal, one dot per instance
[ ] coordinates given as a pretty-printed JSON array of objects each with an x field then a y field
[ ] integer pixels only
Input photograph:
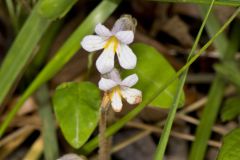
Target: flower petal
[
  {"x": 105, "y": 61},
  {"x": 116, "y": 101},
  {"x": 118, "y": 26},
  {"x": 93, "y": 43},
  {"x": 114, "y": 75},
  {"x": 130, "y": 80},
  {"x": 101, "y": 30},
  {"x": 132, "y": 95},
  {"x": 125, "y": 37},
  {"x": 106, "y": 84},
  {"x": 126, "y": 57}
]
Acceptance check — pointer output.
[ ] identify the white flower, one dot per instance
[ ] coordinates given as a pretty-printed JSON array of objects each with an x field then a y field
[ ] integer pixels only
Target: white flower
[
  {"x": 118, "y": 89},
  {"x": 115, "y": 41}
]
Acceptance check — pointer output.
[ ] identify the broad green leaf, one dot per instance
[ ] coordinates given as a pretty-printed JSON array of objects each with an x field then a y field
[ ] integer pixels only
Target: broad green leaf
[
  {"x": 230, "y": 149},
  {"x": 231, "y": 109},
  {"x": 76, "y": 106},
  {"x": 153, "y": 71}
]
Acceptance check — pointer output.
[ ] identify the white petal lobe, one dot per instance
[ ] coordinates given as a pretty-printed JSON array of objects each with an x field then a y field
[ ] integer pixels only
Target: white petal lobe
[
  {"x": 132, "y": 95},
  {"x": 126, "y": 57},
  {"x": 93, "y": 43},
  {"x": 118, "y": 26},
  {"x": 101, "y": 30},
  {"x": 125, "y": 37},
  {"x": 114, "y": 75},
  {"x": 105, "y": 61},
  {"x": 130, "y": 80},
  {"x": 116, "y": 102},
  {"x": 106, "y": 84}
]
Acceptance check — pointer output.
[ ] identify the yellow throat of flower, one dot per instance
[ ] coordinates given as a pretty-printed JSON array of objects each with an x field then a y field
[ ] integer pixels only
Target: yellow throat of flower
[
  {"x": 115, "y": 89},
  {"x": 112, "y": 41}
]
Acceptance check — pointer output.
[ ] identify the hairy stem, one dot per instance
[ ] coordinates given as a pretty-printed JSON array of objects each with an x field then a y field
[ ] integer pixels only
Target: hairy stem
[{"x": 103, "y": 144}]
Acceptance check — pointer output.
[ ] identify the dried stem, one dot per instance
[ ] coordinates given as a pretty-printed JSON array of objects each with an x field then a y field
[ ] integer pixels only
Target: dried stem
[
  {"x": 103, "y": 149},
  {"x": 176, "y": 134}
]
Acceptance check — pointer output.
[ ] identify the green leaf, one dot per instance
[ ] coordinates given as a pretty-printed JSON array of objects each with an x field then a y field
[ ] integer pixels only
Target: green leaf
[
  {"x": 55, "y": 8},
  {"x": 76, "y": 106},
  {"x": 230, "y": 149},
  {"x": 153, "y": 71},
  {"x": 230, "y": 109}
]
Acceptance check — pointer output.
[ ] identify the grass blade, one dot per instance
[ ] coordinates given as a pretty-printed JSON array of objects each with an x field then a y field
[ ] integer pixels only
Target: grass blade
[
  {"x": 20, "y": 53},
  {"x": 218, "y": 2},
  {"x": 44, "y": 46},
  {"x": 21, "y": 50},
  {"x": 90, "y": 146},
  {"x": 65, "y": 53},
  {"x": 210, "y": 112},
  {"x": 212, "y": 26},
  {"x": 48, "y": 124},
  {"x": 167, "y": 128},
  {"x": 211, "y": 109},
  {"x": 229, "y": 72},
  {"x": 13, "y": 17}
]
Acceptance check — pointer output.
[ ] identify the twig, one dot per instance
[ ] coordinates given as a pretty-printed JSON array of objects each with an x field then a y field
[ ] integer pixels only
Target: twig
[
  {"x": 130, "y": 140},
  {"x": 199, "y": 103},
  {"x": 14, "y": 140},
  {"x": 173, "y": 133},
  {"x": 200, "y": 78},
  {"x": 24, "y": 130},
  {"x": 103, "y": 149},
  {"x": 148, "y": 129},
  {"x": 196, "y": 105},
  {"x": 218, "y": 129},
  {"x": 36, "y": 150}
]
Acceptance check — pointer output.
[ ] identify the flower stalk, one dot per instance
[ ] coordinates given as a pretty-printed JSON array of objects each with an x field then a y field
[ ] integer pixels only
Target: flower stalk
[{"x": 103, "y": 146}]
